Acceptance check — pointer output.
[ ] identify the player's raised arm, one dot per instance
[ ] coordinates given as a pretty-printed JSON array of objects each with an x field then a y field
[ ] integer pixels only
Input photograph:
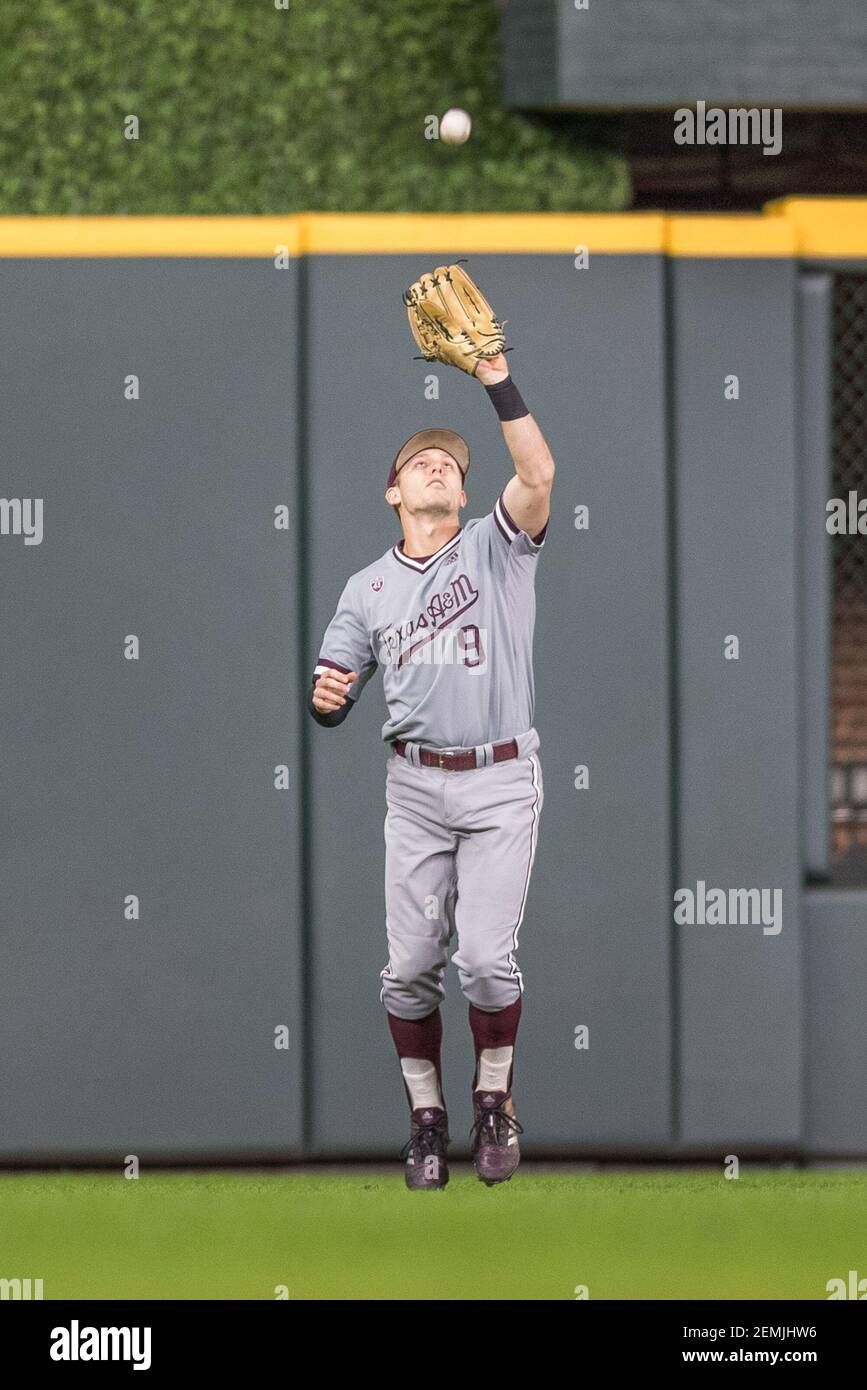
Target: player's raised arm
[
  {"x": 527, "y": 496},
  {"x": 452, "y": 322}
]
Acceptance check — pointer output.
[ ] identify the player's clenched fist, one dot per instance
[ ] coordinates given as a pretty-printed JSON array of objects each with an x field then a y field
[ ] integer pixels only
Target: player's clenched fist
[{"x": 330, "y": 691}]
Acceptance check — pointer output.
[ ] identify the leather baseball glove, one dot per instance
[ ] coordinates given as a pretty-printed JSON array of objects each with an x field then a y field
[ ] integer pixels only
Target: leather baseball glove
[{"x": 451, "y": 320}]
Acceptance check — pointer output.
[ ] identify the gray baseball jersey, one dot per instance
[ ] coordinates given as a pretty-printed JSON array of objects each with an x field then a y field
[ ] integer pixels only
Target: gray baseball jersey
[{"x": 452, "y": 631}]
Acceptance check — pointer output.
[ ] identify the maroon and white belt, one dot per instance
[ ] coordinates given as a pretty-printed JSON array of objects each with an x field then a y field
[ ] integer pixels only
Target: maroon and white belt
[{"x": 458, "y": 762}]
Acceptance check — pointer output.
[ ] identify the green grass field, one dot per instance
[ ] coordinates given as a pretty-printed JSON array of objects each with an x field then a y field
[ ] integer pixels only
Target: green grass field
[{"x": 772, "y": 1233}]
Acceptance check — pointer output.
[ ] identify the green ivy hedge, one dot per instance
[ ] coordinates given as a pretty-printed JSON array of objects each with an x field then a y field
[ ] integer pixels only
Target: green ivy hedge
[{"x": 246, "y": 108}]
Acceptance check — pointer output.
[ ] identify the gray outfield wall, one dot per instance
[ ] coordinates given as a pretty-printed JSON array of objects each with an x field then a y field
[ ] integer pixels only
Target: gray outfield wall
[
  {"x": 735, "y": 501},
  {"x": 154, "y": 776},
  {"x": 262, "y": 905}
]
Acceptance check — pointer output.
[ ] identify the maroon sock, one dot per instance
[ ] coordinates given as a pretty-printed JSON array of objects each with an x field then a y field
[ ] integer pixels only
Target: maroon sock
[
  {"x": 497, "y": 1029},
  {"x": 419, "y": 1037}
]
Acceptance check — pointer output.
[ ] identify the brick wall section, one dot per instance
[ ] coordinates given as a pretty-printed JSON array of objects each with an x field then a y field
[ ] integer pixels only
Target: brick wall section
[{"x": 849, "y": 711}]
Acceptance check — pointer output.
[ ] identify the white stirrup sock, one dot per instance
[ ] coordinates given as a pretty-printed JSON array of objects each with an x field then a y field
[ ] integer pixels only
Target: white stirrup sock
[
  {"x": 422, "y": 1082},
  {"x": 494, "y": 1064}
]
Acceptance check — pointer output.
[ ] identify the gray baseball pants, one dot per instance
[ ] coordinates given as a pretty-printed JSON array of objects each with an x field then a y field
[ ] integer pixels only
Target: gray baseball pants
[{"x": 459, "y": 850}]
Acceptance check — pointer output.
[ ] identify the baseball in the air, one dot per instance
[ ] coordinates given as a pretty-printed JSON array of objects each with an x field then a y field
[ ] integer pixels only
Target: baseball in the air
[{"x": 455, "y": 126}]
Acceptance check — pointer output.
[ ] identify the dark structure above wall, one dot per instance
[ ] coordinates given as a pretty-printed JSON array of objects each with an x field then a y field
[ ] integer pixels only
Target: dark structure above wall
[
  {"x": 619, "y": 55},
  {"x": 621, "y": 76},
  {"x": 822, "y": 153}
]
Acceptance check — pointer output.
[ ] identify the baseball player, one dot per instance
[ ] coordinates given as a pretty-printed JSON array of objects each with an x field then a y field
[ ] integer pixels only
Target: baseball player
[{"x": 448, "y": 614}]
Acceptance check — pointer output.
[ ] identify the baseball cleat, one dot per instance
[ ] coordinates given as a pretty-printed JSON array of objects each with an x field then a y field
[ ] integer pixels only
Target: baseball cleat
[
  {"x": 496, "y": 1153},
  {"x": 425, "y": 1150}
]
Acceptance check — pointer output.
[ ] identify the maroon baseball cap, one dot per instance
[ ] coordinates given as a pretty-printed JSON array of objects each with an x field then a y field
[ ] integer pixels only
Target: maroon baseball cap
[{"x": 448, "y": 440}]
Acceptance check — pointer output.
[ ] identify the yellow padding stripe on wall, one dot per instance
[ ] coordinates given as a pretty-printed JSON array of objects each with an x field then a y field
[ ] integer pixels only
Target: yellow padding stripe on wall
[
  {"x": 362, "y": 234},
  {"x": 61, "y": 237},
  {"x": 744, "y": 235},
  {"x": 791, "y": 227},
  {"x": 825, "y": 226},
  {"x": 367, "y": 234}
]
